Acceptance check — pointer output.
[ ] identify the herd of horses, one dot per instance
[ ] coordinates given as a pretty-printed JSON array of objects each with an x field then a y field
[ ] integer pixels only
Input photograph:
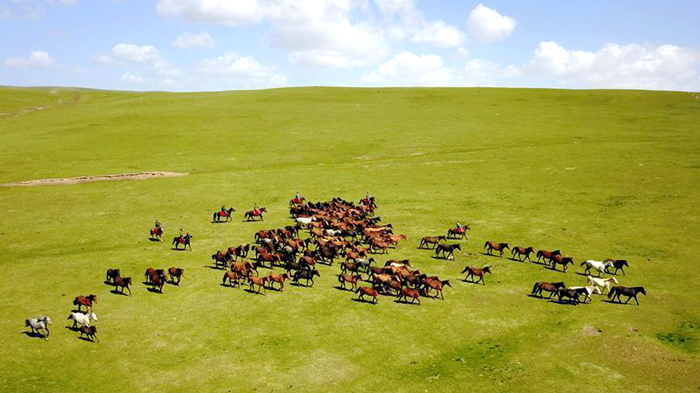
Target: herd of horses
[{"x": 349, "y": 232}]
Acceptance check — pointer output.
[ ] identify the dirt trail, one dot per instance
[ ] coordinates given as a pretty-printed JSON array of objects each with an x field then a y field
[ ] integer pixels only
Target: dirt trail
[{"x": 85, "y": 179}]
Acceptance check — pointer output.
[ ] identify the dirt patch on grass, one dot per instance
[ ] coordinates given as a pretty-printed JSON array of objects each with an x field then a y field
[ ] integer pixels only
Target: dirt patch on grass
[
  {"x": 86, "y": 179},
  {"x": 591, "y": 330}
]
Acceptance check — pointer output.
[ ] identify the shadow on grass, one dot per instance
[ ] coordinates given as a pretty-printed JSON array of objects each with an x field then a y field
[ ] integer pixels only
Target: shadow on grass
[
  {"x": 154, "y": 239},
  {"x": 114, "y": 291},
  {"x": 358, "y": 300},
  {"x": 35, "y": 335},
  {"x": 153, "y": 290}
]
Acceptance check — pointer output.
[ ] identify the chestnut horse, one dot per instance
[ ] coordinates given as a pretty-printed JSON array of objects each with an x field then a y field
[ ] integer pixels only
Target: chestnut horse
[
  {"x": 545, "y": 286},
  {"x": 437, "y": 285},
  {"x": 122, "y": 282},
  {"x": 232, "y": 277},
  {"x": 86, "y": 301},
  {"x": 368, "y": 291},
  {"x": 176, "y": 272},
  {"x": 546, "y": 255},
  {"x": 414, "y": 294},
  {"x": 473, "y": 272},
  {"x": 493, "y": 246},
  {"x": 260, "y": 282},
  {"x": 561, "y": 260},
  {"x": 278, "y": 278},
  {"x": 522, "y": 251},
  {"x": 427, "y": 241}
]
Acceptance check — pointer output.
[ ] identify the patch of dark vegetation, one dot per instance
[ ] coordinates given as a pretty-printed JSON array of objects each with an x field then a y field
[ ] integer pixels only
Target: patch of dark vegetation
[{"x": 684, "y": 338}]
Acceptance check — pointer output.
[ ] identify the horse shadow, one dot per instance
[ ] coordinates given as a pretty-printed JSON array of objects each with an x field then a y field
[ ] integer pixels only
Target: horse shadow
[
  {"x": 620, "y": 303},
  {"x": 406, "y": 302},
  {"x": 514, "y": 259},
  {"x": 154, "y": 239},
  {"x": 153, "y": 290},
  {"x": 472, "y": 281},
  {"x": 563, "y": 302},
  {"x": 254, "y": 292},
  {"x": 214, "y": 267},
  {"x": 178, "y": 249},
  {"x": 114, "y": 291},
  {"x": 85, "y": 339},
  {"x": 35, "y": 335},
  {"x": 338, "y": 287},
  {"x": 585, "y": 274},
  {"x": 358, "y": 300},
  {"x": 73, "y": 329}
]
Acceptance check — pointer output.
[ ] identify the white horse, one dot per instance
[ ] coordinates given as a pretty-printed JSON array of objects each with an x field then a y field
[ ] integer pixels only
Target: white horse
[
  {"x": 304, "y": 222},
  {"x": 602, "y": 283},
  {"x": 589, "y": 290},
  {"x": 80, "y": 318},
  {"x": 333, "y": 232},
  {"x": 601, "y": 267},
  {"x": 39, "y": 324}
]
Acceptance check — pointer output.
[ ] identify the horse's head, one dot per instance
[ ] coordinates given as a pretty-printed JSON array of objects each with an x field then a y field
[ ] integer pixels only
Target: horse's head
[
  {"x": 458, "y": 247},
  {"x": 447, "y": 283},
  {"x": 613, "y": 279},
  {"x": 624, "y": 263},
  {"x": 487, "y": 269},
  {"x": 641, "y": 290},
  {"x": 93, "y": 298},
  {"x": 559, "y": 284},
  {"x": 504, "y": 245},
  {"x": 47, "y": 320},
  {"x": 92, "y": 316}
]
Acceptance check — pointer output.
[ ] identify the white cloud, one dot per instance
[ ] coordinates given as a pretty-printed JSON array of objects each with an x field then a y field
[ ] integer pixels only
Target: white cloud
[
  {"x": 130, "y": 53},
  {"x": 131, "y": 79},
  {"x": 487, "y": 25},
  {"x": 665, "y": 67},
  {"x": 440, "y": 34},
  {"x": 35, "y": 59},
  {"x": 242, "y": 71},
  {"x": 30, "y": 10},
  {"x": 188, "y": 40}
]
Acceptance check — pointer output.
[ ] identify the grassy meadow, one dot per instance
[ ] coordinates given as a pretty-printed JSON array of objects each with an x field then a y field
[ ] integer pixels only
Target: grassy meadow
[{"x": 598, "y": 174}]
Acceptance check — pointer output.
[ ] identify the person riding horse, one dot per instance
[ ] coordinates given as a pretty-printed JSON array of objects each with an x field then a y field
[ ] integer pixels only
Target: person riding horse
[
  {"x": 460, "y": 227},
  {"x": 158, "y": 224}
]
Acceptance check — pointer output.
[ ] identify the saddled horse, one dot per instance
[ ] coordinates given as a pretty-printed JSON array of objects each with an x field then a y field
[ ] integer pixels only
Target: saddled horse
[
  {"x": 458, "y": 233},
  {"x": 430, "y": 242},
  {"x": 123, "y": 283},
  {"x": 447, "y": 250},
  {"x": 541, "y": 286},
  {"x": 561, "y": 260},
  {"x": 601, "y": 267},
  {"x": 37, "y": 325},
  {"x": 493, "y": 246},
  {"x": 185, "y": 240},
  {"x": 224, "y": 214},
  {"x": 157, "y": 233},
  {"x": 522, "y": 253},
  {"x": 86, "y": 301},
  {"x": 368, "y": 291},
  {"x": 630, "y": 292},
  {"x": 473, "y": 272},
  {"x": 587, "y": 292},
  {"x": 618, "y": 264},
  {"x": 546, "y": 255},
  {"x": 251, "y": 215},
  {"x": 297, "y": 201}
]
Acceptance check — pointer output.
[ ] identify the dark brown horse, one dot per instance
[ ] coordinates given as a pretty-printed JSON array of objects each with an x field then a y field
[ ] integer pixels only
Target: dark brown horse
[
  {"x": 619, "y": 264},
  {"x": 151, "y": 273},
  {"x": 224, "y": 214},
  {"x": 630, "y": 292},
  {"x": 307, "y": 275},
  {"x": 89, "y": 331},
  {"x": 156, "y": 233},
  {"x": 233, "y": 278},
  {"x": 368, "y": 291},
  {"x": 158, "y": 282},
  {"x": 348, "y": 278},
  {"x": 522, "y": 253},
  {"x": 176, "y": 272},
  {"x": 545, "y": 286},
  {"x": 493, "y": 246},
  {"x": 111, "y": 275},
  {"x": 447, "y": 250},
  {"x": 546, "y": 255},
  {"x": 244, "y": 268},
  {"x": 458, "y": 233},
  {"x": 185, "y": 240},
  {"x": 473, "y": 272},
  {"x": 561, "y": 260},
  {"x": 572, "y": 294},
  {"x": 278, "y": 278},
  {"x": 87, "y": 301},
  {"x": 414, "y": 294},
  {"x": 122, "y": 282},
  {"x": 430, "y": 242}
]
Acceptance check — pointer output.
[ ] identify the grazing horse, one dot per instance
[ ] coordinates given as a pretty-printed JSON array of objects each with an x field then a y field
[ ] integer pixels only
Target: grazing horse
[
  {"x": 278, "y": 278},
  {"x": 351, "y": 278},
  {"x": 546, "y": 255},
  {"x": 260, "y": 282},
  {"x": 602, "y": 283},
  {"x": 156, "y": 233},
  {"x": 368, "y": 291},
  {"x": 493, "y": 246},
  {"x": 90, "y": 332},
  {"x": 520, "y": 252},
  {"x": 561, "y": 260},
  {"x": 428, "y": 241},
  {"x": 185, "y": 240},
  {"x": 176, "y": 272},
  {"x": 572, "y": 294},
  {"x": 545, "y": 286},
  {"x": 82, "y": 319},
  {"x": 232, "y": 277},
  {"x": 86, "y": 301},
  {"x": 601, "y": 267},
  {"x": 251, "y": 214},
  {"x": 307, "y": 275},
  {"x": 39, "y": 324},
  {"x": 447, "y": 250},
  {"x": 414, "y": 294},
  {"x": 223, "y": 213},
  {"x": 630, "y": 292},
  {"x": 587, "y": 292},
  {"x": 111, "y": 275},
  {"x": 618, "y": 264},
  {"x": 473, "y": 272},
  {"x": 437, "y": 285},
  {"x": 123, "y": 283},
  {"x": 458, "y": 233}
]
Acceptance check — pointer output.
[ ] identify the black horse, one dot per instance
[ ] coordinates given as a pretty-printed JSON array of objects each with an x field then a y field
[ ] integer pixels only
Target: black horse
[
  {"x": 251, "y": 214},
  {"x": 224, "y": 214},
  {"x": 618, "y": 264},
  {"x": 630, "y": 292},
  {"x": 447, "y": 250},
  {"x": 184, "y": 240},
  {"x": 572, "y": 294},
  {"x": 307, "y": 275}
]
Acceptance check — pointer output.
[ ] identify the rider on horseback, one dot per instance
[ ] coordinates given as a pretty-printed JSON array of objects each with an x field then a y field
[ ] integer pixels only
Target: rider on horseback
[
  {"x": 158, "y": 224},
  {"x": 460, "y": 227}
]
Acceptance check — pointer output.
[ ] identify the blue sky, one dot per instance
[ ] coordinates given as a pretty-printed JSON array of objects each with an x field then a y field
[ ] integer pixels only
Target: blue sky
[{"x": 193, "y": 45}]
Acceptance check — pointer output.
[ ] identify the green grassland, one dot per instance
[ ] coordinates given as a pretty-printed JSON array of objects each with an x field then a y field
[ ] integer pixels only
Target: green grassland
[{"x": 598, "y": 174}]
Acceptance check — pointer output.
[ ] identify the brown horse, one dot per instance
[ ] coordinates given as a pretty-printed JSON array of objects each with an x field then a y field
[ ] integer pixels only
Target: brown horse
[
  {"x": 122, "y": 282},
  {"x": 151, "y": 273},
  {"x": 244, "y": 268},
  {"x": 522, "y": 253},
  {"x": 545, "y": 286},
  {"x": 630, "y": 292},
  {"x": 546, "y": 255},
  {"x": 436, "y": 285},
  {"x": 561, "y": 260},
  {"x": 156, "y": 233},
  {"x": 414, "y": 294},
  {"x": 368, "y": 291},
  {"x": 619, "y": 264},
  {"x": 232, "y": 277},
  {"x": 86, "y": 301},
  {"x": 111, "y": 275},
  {"x": 221, "y": 259},
  {"x": 473, "y": 272},
  {"x": 278, "y": 278},
  {"x": 493, "y": 246},
  {"x": 428, "y": 241},
  {"x": 89, "y": 331},
  {"x": 260, "y": 282},
  {"x": 352, "y": 279},
  {"x": 176, "y": 272},
  {"x": 158, "y": 282}
]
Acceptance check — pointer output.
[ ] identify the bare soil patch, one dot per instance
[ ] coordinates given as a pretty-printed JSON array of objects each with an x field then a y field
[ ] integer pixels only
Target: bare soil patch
[{"x": 86, "y": 179}]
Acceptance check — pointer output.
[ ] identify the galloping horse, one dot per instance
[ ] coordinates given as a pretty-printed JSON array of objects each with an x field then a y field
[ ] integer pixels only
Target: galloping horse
[
  {"x": 493, "y": 246},
  {"x": 561, "y": 260},
  {"x": 473, "y": 272},
  {"x": 427, "y": 241},
  {"x": 618, "y": 264},
  {"x": 572, "y": 294},
  {"x": 184, "y": 240},
  {"x": 630, "y": 292},
  {"x": 39, "y": 324},
  {"x": 86, "y": 301},
  {"x": 90, "y": 332},
  {"x": 367, "y": 291},
  {"x": 251, "y": 214},
  {"x": 602, "y": 283},
  {"x": 587, "y": 292},
  {"x": 82, "y": 319},
  {"x": 223, "y": 213},
  {"x": 123, "y": 283},
  {"x": 601, "y": 267},
  {"x": 414, "y": 294},
  {"x": 522, "y": 251},
  {"x": 545, "y": 286},
  {"x": 546, "y": 255},
  {"x": 156, "y": 233}
]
